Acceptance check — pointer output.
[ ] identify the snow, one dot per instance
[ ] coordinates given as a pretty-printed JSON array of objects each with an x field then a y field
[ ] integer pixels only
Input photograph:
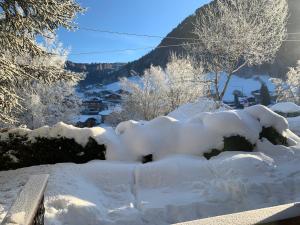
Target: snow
[
  {"x": 166, "y": 136},
  {"x": 60, "y": 130},
  {"x": 174, "y": 189},
  {"x": 116, "y": 86},
  {"x": 245, "y": 85},
  {"x": 189, "y": 110},
  {"x": 180, "y": 184},
  {"x": 105, "y": 112},
  {"x": 113, "y": 87},
  {"x": 285, "y": 107},
  {"x": 294, "y": 124},
  {"x": 268, "y": 118}
]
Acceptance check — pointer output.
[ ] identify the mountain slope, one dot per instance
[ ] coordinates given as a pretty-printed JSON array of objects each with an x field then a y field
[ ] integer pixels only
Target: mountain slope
[
  {"x": 95, "y": 72},
  {"x": 286, "y": 57}
]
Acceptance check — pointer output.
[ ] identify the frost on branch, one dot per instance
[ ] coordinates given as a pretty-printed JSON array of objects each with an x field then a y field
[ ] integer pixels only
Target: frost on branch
[
  {"x": 288, "y": 90},
  {"x": 20, "y": 23},
  {"x": 236, "y": 33},
  {"x": 163, "y": 90}
]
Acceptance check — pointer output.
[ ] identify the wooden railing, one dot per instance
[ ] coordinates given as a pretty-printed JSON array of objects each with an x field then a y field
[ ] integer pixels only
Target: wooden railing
[
  {"x": 28, "y": 208},
  {"x": 288, "y": 214}
]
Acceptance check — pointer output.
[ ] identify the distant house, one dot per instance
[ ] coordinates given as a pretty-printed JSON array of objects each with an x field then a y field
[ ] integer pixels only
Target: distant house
[
  {"x": 93, "y": 106},
  {"x": 104, "y": 114},
  {"x": 113, "y": 97}
]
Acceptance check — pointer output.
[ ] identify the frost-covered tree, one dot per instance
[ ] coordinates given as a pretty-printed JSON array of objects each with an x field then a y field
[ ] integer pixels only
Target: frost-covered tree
[
  {"x": 147, "y": 99},
  {"x": 162, "y": 90},
  {"x": 289, "y": 90},
  {"x": 20, "y": 23},
  {"x": 185, "y": 81},
  {"x": 48, "y": 105},
  {"x": 232, "y": 34}
]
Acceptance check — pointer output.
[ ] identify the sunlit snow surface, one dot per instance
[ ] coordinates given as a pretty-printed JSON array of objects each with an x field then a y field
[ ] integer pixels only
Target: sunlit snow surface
[
  {"x": 177, "y": 187},
  {"x": 174, "y": 189}
]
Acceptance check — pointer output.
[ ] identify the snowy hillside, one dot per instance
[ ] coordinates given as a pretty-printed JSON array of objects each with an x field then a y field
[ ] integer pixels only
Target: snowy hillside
[
  {"x": 245, "y": 85},
  {"x": 180, "y": 184}
]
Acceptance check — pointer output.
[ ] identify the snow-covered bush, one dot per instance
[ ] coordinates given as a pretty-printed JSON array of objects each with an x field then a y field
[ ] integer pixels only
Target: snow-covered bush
[
  {"x": 163, "y": 90},
  {"x": 288, "y": 90},
  {"x": 205, "y": 134},
  {"x": 61, "y": 143},
  {"x": 286, "y": 109},
  {"x": 237, "y": 33}
]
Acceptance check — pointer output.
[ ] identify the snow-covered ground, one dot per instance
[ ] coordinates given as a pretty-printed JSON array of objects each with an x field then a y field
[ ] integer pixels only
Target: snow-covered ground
[
  {"x": 294, "y": 123},
  {"x": 174, "y": 189},
  {"x": 180, "y": 184},
  {"x": 245, "y": 85}
]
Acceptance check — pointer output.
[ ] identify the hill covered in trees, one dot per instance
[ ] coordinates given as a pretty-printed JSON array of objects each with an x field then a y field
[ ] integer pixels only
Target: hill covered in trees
[{"x": 95, "y": 72}]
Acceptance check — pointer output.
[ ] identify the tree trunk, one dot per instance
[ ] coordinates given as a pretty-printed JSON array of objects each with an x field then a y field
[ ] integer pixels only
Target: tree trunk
[
  {"x": 226, "y": 86},
  {"x": 217, "y": 87}
]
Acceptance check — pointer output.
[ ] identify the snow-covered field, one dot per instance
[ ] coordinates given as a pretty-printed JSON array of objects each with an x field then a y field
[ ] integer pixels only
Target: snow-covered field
[{"x": 181, "y": 184}]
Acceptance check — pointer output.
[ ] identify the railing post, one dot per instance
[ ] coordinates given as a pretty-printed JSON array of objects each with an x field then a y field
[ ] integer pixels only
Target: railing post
[{"x": 28, "y": 209}]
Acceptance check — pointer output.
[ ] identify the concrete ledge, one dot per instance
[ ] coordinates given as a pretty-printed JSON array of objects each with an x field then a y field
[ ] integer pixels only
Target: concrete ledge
[
  {"x": 258, "y": 216},
  {"x": 25, "y": 208}
]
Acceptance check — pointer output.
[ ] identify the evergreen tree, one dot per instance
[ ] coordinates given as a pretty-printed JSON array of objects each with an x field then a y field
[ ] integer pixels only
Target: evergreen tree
[
  {"x": 20, "y": 23},
  {"x": 265, "y": 98}
]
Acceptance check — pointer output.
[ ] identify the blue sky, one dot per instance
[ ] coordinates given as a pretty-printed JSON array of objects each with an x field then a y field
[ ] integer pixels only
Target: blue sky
[{"x": 154, "y": 17}]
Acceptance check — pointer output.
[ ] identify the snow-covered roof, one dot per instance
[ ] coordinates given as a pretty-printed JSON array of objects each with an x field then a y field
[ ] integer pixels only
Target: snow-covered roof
[
  {"x": 105, "y": 112},
  {"x": 285, "y": 107}
]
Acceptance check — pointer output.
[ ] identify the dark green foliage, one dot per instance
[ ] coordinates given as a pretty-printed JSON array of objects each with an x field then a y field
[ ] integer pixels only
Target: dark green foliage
[
  {"x": 273, "y": 136},
  {"x": 211, "y": 154},
  {"x": 237, "y": 143},
  {"x": 288, "y": 115},
  {"x": 265, "y": 95},
  {"x": 47, "y": 151},
  {"x": 233, "y": 143},
  {"x": 147, "y": 158}
]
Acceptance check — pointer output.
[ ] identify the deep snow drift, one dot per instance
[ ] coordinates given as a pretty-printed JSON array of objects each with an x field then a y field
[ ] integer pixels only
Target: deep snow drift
[{"x": 180, "y": 184}]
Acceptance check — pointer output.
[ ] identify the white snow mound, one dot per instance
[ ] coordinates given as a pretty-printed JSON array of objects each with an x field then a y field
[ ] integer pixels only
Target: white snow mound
[
  {"x": 285, "y": 107},
  {"x": 206, "y": 131},
  {"x": 190, "y": 110}
]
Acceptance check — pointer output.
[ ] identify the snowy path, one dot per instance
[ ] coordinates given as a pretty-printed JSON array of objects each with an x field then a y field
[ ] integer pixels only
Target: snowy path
[{"x": 174, "y": 189}]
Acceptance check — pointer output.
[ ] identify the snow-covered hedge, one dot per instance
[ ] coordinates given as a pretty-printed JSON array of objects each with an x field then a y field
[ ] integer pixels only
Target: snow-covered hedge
[
  {"x": 61, "y": 143},
  {"x": 205, "y": 134},
  {"x": 286, "y": 109}
]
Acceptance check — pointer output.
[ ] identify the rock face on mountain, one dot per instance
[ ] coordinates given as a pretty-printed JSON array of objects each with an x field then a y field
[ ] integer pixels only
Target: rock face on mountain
[
  {"x": 95, "y": 72},
  {"x": 286, "y": 57}
]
